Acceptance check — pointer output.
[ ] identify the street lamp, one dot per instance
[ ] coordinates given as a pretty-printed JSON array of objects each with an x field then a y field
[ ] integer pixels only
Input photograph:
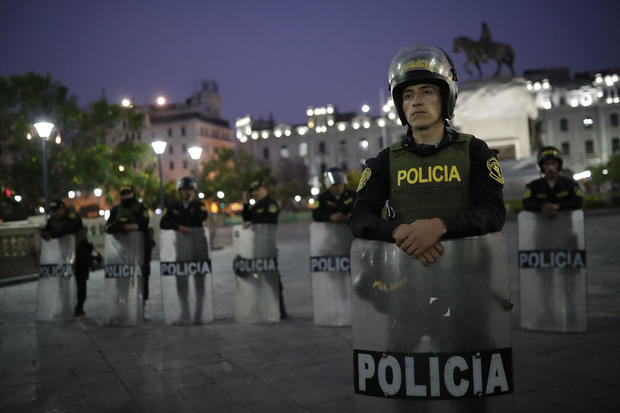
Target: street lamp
[
  {"x": 159, "y": 147},
  {"x": 194, "y": 153},
  {"x": 44, "y": 129}
]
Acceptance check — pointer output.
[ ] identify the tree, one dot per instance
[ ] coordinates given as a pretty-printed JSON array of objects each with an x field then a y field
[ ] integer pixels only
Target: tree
[{"x": 82, "y": 161}]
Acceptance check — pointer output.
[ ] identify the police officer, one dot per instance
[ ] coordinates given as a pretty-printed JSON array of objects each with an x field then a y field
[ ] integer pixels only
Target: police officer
[
  {"x": 440, "y": 183},
  {"x": 264, "y": 211},
  {"x": 64, "y": 222},
  {"x": 335, "y": 204},
  {"x": 553, "y": 192},
  {"x": 186, "y": 213},
  {"x": 131, "y": 215}
]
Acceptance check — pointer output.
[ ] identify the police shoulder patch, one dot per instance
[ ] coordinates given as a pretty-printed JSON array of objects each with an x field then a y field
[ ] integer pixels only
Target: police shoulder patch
[
  {"x": 315, "y": 205},
  {"x": 72, "y": 215},
  {"x": 364, "y": 178},
  {"x": 145, "y": 213},
  {"x": 527, "y": 193},
  {"x": 273, "y": 208},
  {"x": 495, "y": 171}
]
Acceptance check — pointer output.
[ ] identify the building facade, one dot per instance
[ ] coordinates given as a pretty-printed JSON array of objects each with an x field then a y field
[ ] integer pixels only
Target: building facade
[
  {"x": 578, "y": 115},
  {"x": 197, "y": 122}
]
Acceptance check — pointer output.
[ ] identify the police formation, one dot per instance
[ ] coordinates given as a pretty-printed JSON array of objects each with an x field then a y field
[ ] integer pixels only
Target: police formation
[{"x": 424, "y": 285}]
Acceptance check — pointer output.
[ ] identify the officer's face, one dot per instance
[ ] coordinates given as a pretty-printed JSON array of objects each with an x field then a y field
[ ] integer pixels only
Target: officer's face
[
  {"x": 186, "y": 194},
  {"x": 551, "y": 168},
  {"x": 126, "y": 195},
  {"x": 336, "y": 189},
  {"x": 259, "y": 193},
  {"x": 422, "y": 105}
]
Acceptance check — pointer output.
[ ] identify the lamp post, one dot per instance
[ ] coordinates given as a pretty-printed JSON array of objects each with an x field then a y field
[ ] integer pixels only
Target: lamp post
[
  {"x": 44, "y": 129},
  {"x": 159, "y": 147},
  {"x": 194, "y": 153}
]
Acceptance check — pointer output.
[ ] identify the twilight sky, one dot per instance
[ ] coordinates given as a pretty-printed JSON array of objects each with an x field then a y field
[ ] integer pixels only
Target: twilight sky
[{"x": 281, "y": 56}]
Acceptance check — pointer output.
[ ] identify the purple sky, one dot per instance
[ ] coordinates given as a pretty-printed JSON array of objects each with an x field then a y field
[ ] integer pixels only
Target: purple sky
[{"x": 281, "y": 56}]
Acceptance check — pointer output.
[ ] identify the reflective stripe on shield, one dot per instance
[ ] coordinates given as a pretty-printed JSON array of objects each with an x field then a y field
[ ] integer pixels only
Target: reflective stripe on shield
[
  {"x": 432, "y": 339},
  {"x": 187, "y": 283},
  {"x": 256, "y": 283},
  {"x": 330, "y": 244},
  {"x": 552, "y": 272},
  {"x": 56, "y": 292},
  {"x": 123, "y": 259}
]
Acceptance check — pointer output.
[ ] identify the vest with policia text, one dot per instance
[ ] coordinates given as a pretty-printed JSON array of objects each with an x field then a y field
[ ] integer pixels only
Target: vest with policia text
[{"x": 431, "y": 186}]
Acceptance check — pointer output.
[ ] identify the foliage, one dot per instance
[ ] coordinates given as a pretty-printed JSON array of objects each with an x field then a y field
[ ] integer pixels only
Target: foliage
[{"x": 83, "y": 161}]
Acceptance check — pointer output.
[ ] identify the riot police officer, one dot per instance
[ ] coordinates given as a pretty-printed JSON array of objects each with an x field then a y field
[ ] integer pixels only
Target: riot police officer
[
  {"x": 187, "y": 212},
  {"x": 440, "y": 183},
  {"x": 335, "y": 204},
  {"x": 264, "y": 210},
  {"x": 553, "y": 192},
  {"x": 61, "y": 222},
  {"x": 132, "y": 215}
]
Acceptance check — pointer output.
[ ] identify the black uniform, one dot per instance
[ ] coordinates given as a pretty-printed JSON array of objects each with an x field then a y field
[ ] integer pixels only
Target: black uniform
[
  {"x": 131, "y": 211},
  {"x": 327, "y": 204},
  {"x": 488, "y": 213},
  {"x": 191, "y": 216},
  {"x": 264, "y": 211},
  {"x": 565, "y": 193},
  {"x": 71, "y": 223}
]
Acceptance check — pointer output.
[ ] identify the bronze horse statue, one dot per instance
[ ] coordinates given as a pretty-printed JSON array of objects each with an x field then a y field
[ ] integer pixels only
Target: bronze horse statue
[{"x": 476, "y": 52}]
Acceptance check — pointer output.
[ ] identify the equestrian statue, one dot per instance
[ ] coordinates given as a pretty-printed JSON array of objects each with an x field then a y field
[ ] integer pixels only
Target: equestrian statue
[{"x": 484, "y": 50}]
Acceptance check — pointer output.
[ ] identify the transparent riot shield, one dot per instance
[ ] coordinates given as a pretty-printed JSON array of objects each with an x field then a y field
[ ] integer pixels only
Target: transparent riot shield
[
  {"x": 330, "y": 244},
  {"x": 432, "y": 339},
  {"x": 56, "y": 292},
  {"x": 552, "y": 272},
  {"x": 187, "y": 283},
  {"x": 122, "y": 267},
  {"x": 257, "y": 278}
]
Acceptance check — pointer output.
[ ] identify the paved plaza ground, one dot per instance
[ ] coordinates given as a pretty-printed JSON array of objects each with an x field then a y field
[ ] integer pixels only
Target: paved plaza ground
[{"x": 292, "y": 366}]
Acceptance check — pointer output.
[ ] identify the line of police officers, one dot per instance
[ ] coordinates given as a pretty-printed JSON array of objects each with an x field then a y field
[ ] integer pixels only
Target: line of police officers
[{"x": 437, "y": 183}]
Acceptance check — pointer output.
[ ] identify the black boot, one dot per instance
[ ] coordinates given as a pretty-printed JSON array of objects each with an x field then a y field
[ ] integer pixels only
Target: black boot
[{"x": 79, "y": 310}]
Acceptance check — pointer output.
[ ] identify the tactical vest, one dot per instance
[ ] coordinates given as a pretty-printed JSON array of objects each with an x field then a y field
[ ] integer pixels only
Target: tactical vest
[
  {"x": 127, "y": 215},
  {"x": 435, "y": 186},
  {"x": 57, "y": 225}
]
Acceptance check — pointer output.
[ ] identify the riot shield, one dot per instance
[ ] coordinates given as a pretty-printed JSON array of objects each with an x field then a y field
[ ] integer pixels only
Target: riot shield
[
  {"x": 552, "y": 272},
  {"x": 122, "y": 267},
  {"x": 432, "y": 339},
  {"x": 56, "y": 293},
  {"x": 186, "y": 277},
  {"x": 256, "y": 268},
  {"x": 330, "y": 244}
]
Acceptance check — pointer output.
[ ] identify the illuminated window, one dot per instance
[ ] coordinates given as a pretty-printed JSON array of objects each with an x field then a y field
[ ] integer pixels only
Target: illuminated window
[
  {"x": 283, "y": 152},
  {"x": 303, "y": 150}
]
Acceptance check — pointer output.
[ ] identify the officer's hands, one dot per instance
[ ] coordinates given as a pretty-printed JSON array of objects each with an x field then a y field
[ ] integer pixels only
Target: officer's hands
[
  {"x": 185, "y": 230},
  {"x": 339, "y": 217},
  {"x": 246, "y": 224},
  {"x": 131, "y": 227},
  {"x": 431, "y": 255},
  {"x": 549, "y": 209},
  {"x": 416, "y": 238}
]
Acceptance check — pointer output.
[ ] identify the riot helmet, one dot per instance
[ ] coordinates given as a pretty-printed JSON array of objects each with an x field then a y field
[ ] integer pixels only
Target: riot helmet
[
  {"x": 423, "y": 64},
  {"x": 334, "y": 176},
  {"x": 187, "y": 182},
  {"x": 549, "y": 152}
]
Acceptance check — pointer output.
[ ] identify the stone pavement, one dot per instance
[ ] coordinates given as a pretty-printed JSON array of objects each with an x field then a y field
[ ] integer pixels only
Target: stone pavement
[{"x": 81, "y": 366}]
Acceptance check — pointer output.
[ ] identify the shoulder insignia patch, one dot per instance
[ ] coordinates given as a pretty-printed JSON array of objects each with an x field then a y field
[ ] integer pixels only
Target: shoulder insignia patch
[
  {"x": 72, "y": 215},
  {"x": 315, "y": 205},
  {"x": 578, "y": 191},
  {"x": 145, "y": 213},
  {"x": 495, "y": 171},
  {"x": 527, "y": 193},
  {"x": 364, "y": 178},
  {"x": 273, "y": 208}
]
